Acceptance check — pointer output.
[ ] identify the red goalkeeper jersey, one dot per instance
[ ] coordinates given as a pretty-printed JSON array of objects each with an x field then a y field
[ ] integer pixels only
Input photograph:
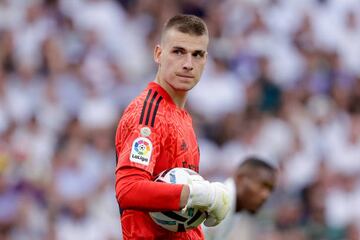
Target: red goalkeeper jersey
[{"x": 153, "y": 135}]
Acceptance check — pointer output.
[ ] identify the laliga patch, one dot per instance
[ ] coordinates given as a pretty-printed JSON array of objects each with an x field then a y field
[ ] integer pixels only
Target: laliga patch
[{"x": 141, "y": 151}]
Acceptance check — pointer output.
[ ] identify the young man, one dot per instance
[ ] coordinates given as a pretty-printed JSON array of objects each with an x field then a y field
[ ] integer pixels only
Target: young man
[
  {"x": 251, "y": 186},
  {"x": 155, "y": 133}
]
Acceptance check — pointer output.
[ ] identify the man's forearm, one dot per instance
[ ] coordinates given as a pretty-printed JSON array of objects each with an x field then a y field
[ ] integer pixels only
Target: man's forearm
[
  {"x": 185, "y": 192},
  {"x": 135, "y": 190}
]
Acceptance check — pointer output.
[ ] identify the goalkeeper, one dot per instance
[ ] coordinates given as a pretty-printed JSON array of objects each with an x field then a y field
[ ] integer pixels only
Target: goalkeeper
[{"x": 155, "y": 133}]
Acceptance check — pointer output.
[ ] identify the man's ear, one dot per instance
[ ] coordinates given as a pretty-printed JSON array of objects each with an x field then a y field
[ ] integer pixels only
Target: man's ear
[
  {"x": 241, "y": 179},
  {"x": 157, "y": 53}
]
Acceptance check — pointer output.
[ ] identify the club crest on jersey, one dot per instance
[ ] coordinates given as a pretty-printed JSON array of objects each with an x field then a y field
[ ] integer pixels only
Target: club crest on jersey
[
  {"x": 141, "y": 151},
  {"x": 145, "y": 131}
]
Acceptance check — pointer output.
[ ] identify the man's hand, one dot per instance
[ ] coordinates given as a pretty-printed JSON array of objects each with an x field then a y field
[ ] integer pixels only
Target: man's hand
[
  {"x": 211, "y": 197},
  {"x": 220, "y": 206}
]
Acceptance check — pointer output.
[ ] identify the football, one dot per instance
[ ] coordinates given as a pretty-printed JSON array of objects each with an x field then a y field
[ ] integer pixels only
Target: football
[{"x": 178, "y": 221}]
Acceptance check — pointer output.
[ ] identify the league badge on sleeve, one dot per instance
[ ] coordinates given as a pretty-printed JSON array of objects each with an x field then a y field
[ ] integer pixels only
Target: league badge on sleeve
[{"x": 141, "y": 151}]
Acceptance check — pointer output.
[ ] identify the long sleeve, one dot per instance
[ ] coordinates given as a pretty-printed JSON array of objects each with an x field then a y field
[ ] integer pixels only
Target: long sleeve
[{"x": 135, "y": 190}]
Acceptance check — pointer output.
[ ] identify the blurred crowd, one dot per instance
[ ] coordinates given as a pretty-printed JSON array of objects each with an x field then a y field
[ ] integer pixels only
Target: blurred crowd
[{"x": 282, "y": 81}]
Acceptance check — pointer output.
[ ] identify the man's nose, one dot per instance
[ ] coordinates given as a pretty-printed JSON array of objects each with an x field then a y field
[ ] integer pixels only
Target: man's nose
[{"x": 188, "y": 64}]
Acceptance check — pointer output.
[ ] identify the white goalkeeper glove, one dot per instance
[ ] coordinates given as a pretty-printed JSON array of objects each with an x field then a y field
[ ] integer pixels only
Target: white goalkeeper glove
[
  {"x": 211, "y": 197},
  {"x": 220, "y": 207}
]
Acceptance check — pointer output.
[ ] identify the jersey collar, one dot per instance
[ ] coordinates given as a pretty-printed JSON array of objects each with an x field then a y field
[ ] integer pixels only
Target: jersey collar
[{"x": 162, "y": 91}]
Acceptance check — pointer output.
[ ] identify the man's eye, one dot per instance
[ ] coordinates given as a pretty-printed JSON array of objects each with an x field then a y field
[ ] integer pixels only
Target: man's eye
[
  {"x": 198, "y": 55},
  {"x": 177, "y": 52}
]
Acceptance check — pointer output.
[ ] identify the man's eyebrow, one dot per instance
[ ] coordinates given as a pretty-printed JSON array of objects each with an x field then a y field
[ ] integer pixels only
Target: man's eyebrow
[
  {"x": 202, "y": 52},
  {"x": 179, "y": 48}
]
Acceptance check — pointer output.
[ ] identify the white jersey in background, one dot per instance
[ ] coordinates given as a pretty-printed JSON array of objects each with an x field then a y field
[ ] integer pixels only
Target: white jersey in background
[{"x": 222, "y": 231}]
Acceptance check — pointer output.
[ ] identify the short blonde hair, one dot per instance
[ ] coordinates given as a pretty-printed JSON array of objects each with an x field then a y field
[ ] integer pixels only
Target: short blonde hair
[{"x": 184, "y": 23}]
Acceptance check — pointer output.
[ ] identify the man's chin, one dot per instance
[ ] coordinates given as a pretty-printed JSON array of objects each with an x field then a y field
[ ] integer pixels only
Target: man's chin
[
  {"x": 252, "y": 211},
  {"x": 255, "y": 210},
  {"x": 183, "y": 88}
]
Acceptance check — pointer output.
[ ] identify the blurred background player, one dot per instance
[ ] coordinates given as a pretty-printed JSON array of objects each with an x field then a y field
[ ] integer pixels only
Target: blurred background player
[
  {"x": 155, "y": 133},
  {"x": 251, "y": 185}
]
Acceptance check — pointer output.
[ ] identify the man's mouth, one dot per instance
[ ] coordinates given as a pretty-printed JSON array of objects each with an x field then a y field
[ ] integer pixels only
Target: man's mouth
[{"x": 184, "y": 76}]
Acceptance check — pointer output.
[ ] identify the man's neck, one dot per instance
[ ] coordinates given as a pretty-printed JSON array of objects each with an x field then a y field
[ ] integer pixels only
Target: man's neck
[{"x": 179, "y": 97}]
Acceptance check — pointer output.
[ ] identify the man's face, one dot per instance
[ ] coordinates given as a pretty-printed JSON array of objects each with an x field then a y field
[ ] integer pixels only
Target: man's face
[
  {"x": 256, "y": 189},
  {"x": 181, "y": 58}
]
